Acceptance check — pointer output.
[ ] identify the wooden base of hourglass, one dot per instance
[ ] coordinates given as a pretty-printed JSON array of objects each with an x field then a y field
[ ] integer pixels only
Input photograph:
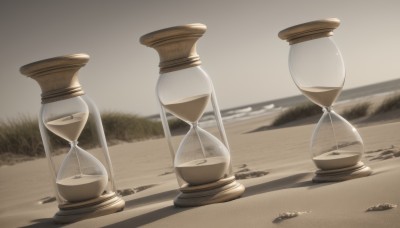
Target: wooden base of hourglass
[
  {"x": 335, "y": 175},
  {"x": 217, "y": 192},
  {"x": 103, "y": 205}
]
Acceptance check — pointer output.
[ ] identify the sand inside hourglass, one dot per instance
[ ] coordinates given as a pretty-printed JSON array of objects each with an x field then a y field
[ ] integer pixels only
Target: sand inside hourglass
[
  {"x": 68, "y": 127},
  {"x": 82, "y": 187},
  {"x": 202, "y": 171},
  {"x": 336, "y": 159},
  {"x": 190, "y": 108},
  {"x": 321, "y": 95}
]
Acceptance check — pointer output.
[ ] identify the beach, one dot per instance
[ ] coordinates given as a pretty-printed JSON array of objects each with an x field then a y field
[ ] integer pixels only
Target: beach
[{"x": 274, "y": 165}]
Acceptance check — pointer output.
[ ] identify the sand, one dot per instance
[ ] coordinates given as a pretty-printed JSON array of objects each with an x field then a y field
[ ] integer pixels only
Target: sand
[
  {"x": 82, "y": 187},
  {"x": 190, "y": 108},
  {"x": 203, "y": 171},
  {"x": 324, "y": 96},
  {"x": 68, "y": 127},
  {"x": 336, "y": 159},
  {"x": 285, "y": 188}
]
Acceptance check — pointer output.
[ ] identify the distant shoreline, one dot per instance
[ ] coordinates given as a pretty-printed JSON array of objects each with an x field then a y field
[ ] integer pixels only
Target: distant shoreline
[{"x": 348, "y": 94}]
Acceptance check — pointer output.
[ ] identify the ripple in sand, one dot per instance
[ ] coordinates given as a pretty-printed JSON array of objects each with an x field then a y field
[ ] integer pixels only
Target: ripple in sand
[
  {"x": 288, "y": 215},
  {"x": 382, "y": 207}
]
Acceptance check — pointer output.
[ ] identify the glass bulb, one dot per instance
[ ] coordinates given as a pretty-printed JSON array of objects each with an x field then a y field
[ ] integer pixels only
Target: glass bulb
[
  {"x": 189, "y": 109},
  {"x": 201, "y": 158},
  {"x": 81, "y": 176},
  {"x": 185, "y": 93},
  {"x": 335, "y": 143},
  {"x": 317, "y": 68}
]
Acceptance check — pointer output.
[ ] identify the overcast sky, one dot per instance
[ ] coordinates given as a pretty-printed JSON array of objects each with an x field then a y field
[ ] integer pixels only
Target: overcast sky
[{"x": 240, "y": 50}]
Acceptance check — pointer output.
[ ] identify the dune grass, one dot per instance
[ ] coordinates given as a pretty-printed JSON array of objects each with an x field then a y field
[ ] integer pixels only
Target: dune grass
[
  {"x": 296, "y": 113},
  {"x": 357, "y": 111},
  {"x": 392, "y": 102},
  {"x": 127, "y": 127},
  {"x": 20, "y": 138}
]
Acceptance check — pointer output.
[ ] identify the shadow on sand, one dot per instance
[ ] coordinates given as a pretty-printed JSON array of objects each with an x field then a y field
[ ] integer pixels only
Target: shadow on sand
[
  {"x": 149, "y": 217},
  {"x": 293, "y": 181},
  {"x": 43, "y": 223}
]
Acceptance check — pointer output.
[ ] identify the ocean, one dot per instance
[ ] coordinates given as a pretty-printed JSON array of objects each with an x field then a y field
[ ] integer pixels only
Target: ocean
[
  {"x": 262, "y": 108},
  {"x": 273, "y": 106}
]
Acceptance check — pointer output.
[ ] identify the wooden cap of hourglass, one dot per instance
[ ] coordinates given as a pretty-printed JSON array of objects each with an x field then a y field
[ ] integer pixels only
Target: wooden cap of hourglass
[
  {"x": 176, "y": 46},
  {"x": 57, "y": 76},
  {"x": 309, "y": 31}
]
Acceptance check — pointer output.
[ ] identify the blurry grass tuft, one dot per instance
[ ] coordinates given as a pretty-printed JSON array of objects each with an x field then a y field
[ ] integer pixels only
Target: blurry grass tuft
[
  {"x": 391, "y": 103},
  {"x": 296, "y": 113},
  {"x": 357, "y": 111},
  {"x": 20, "y": 138},
  {"x": 178, "y": 124},
  {"x": 128, "y": 127}
]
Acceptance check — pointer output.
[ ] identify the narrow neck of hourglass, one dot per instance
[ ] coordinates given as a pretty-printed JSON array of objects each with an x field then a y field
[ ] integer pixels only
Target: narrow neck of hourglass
[
  {"x": 73, "y": 143},
  {"x": 328, "y": 109},
  {"x": 195, "y": 124}
]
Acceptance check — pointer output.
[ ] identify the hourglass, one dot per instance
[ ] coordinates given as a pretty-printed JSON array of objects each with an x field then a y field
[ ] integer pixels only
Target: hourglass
[
  {"x": 201, "y": 158},
  {"x": 81, "y": 176},
  {"x": 317, "y": 68},
  {"x": 83, "y": 181},
  {"x": 202, "y": 161}
]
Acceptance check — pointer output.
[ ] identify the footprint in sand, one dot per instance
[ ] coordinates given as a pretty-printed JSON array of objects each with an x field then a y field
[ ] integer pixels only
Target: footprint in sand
[
  {"x": 246, "y": 173},
  {"x": 288, "y": 215},
  {"x": 383, "y": 154},
  {"x": 130, "y": 191},
  {"x": 382, "y": 207}
]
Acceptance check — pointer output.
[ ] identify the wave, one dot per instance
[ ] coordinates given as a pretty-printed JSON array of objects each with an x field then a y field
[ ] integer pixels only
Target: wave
[
  {"x": 237, "y": 111},
  {"x": 268, "y": 107}
]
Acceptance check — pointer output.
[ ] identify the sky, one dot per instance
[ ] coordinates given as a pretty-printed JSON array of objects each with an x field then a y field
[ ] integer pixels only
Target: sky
[{"x": 240, "y": 50}]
